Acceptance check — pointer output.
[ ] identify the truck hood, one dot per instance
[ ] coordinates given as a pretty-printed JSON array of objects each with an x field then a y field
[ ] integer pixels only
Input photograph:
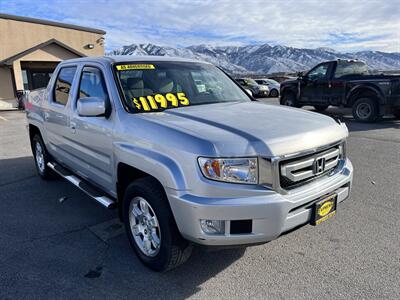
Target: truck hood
[{"x": 253, "y": 128}]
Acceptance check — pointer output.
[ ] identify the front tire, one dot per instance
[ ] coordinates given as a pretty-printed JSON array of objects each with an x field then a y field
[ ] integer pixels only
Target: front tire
[
  {"x": 289, "y": 99},
  {"x": 365, "y": 110},
  {"x": 396, "y": 114},
  {"x": 151, "y": 228},
  {"x": 274, "y": 93},
  {"x": 42, "y": 157}
]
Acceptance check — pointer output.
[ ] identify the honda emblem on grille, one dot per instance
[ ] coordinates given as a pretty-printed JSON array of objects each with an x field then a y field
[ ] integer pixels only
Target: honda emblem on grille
[{"x": 319, "y": 165}]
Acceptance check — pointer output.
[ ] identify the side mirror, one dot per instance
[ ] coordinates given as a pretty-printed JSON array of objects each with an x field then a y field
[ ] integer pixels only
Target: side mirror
[
  {"x": 91, "y": 107},
  {"x": 300, "y": 74}
]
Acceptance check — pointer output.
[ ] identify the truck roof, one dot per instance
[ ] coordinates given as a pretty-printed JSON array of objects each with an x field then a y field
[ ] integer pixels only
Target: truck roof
[
  {"x": 132, "y": 58},
  {"x": 346, "y": 60}
]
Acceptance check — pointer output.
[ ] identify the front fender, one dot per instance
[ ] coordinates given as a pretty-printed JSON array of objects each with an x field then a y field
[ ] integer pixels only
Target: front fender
[
  {"x": 289, "y": 89},
  {"x": 158, "y": 165}
]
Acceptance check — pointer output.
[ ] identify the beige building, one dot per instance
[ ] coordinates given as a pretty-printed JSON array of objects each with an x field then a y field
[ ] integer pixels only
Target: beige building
[{"x": 30, "y": 49}]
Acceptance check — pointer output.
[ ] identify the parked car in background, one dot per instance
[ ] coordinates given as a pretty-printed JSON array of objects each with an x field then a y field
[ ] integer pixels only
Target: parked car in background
[
  {"x": 272, "y": 85},
  {"x": 345, "y": 83},
  {"x": 185, "y": 155},
  {"x": 251, "y": 84},
  {"x": 281, "y": 78}
]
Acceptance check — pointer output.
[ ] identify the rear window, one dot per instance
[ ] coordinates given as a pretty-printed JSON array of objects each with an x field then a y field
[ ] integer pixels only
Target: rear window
[
  {"x": 346, "y": 68},
  {"x": 63, "y": 85},
  {"x": 155, "y": 86}
]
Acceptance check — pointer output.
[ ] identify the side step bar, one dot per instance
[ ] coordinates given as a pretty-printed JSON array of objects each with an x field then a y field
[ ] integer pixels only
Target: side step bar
[{"x": 87, "y": 188}]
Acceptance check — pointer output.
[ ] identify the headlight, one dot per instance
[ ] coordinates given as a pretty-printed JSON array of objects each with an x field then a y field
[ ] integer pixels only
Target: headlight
[{"x": 237, "y": 170}]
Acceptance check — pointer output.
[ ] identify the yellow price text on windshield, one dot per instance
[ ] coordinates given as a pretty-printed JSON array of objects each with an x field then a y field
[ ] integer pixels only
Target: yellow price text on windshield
[
  {"x": 159, "y": 102},
  {"x": 135, "y": 67}
]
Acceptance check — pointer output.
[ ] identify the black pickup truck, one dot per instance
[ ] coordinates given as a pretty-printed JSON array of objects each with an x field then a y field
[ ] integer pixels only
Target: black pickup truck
[{"x": 345, "y": 83}]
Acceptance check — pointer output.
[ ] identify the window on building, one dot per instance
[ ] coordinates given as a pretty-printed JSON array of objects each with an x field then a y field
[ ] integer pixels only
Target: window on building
[
  {"x": 25, "y": 79},
  {"x": 63, "y": 85}
]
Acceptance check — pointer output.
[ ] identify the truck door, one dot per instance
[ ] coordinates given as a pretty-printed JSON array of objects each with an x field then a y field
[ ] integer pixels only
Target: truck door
[
  {"x": 91, "y": 136},
  {"x": 56, "y": 113},
  {"x": 314, "y": 86},
  {"x": 337, "y": 91}
]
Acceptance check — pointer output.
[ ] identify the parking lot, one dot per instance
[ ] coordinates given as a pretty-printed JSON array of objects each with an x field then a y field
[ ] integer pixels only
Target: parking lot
[{"x": 77, "y": 249}]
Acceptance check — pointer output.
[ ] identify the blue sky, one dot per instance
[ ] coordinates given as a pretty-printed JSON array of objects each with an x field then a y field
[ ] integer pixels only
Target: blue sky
[{"x": 341, "y": 24}]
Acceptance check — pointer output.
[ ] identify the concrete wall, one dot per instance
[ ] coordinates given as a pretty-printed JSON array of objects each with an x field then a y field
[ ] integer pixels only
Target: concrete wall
[
  {"x": 6, "y": 85},
  {"x": 18, "y": 36}
]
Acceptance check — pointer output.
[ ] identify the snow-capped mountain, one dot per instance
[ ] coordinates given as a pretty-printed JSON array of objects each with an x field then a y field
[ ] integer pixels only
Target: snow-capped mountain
[{"x": 263, "y": 58}]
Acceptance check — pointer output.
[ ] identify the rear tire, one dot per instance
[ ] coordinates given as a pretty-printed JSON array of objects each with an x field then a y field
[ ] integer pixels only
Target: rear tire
[
  {"x": 396, "y": 114},
  {"x": 274, "y": 93},
  {"x": 365, "y": 110},
  {"x": 321, "y": 108},
  {"x": 42, "y": 157},
  {"x": 153, "y": 235},
  {"x": 289, "y": 99}
]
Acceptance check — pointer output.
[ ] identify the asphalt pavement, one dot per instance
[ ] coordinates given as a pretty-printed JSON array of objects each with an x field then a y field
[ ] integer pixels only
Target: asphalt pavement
[{"x": 55, "y": 242}]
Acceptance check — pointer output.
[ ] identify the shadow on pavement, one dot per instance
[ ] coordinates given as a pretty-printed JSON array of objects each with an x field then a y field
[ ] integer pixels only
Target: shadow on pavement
[{"x": 55, "y": 243}]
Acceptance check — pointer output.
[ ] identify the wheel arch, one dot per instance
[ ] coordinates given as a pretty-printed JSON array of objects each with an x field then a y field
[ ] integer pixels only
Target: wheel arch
[
  {"x": 134, "y": 163},
  {"x": 126, "y": 174},
  {"x": 364, "y": 91},
  {"x": 288, "y": 90},
  {"x": 33, "y": 130}
]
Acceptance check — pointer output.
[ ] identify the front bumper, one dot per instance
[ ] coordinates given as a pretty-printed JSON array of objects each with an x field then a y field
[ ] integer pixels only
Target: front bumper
[
  {"x": 263, "y": 93},
  {"x": 271, "y": 215}
]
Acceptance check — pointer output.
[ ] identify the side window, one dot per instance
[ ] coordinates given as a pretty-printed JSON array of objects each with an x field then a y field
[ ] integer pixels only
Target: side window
[
  {"x": 92, "y": 84},
  {"x": 345, "y": 68},
  {"x": 63, "y": 85},
  {"x": 319, "y": 72}
]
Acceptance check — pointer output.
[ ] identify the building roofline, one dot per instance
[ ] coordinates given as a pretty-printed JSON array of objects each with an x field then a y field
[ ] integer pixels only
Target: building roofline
[
  {"x": 10, "y": 59},
  {"x": 50, "y": 23}
]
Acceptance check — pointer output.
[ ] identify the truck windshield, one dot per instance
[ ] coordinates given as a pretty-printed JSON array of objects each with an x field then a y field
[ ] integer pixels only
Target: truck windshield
[
  {"x": 346, "y": 68},
  {"x": 155, "y": 86}
]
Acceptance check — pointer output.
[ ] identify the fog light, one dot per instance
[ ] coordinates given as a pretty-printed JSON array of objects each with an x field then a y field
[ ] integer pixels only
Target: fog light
[{"x": 213, "y": 226}]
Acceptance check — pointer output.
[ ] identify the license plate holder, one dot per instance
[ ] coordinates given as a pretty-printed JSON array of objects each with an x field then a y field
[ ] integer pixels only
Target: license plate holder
[{"x": 324, "y": 209}]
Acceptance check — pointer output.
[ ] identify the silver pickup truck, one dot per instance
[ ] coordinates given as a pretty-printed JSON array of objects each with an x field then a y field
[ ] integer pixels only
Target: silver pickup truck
[{"x": 185, "y": 155}]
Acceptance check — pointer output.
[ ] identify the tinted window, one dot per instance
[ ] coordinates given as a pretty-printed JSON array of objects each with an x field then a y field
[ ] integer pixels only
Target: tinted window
[
  {"x": 319, "y": 72},
  {"x": 344, "y": 68},
  {"x": 63, "y": 85},
  {"x": 92, "y": 84}
]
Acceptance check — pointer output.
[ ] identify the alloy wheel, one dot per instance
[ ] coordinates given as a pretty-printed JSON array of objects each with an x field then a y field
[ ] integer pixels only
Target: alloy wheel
[
  {"x": 39, "y": 157},
  {"x": 144, "y": 226}
]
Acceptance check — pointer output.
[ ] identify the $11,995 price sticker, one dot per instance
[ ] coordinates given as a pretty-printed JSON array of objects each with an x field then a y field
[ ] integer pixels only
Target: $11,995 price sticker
[{"x": 159, "y": 101}]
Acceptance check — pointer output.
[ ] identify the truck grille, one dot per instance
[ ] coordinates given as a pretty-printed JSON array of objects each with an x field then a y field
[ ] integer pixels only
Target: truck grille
[{"x": 297, "y": 171}]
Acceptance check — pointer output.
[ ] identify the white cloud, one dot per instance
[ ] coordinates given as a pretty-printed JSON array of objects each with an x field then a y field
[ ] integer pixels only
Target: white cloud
[{"x": 342, "y": 25}]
